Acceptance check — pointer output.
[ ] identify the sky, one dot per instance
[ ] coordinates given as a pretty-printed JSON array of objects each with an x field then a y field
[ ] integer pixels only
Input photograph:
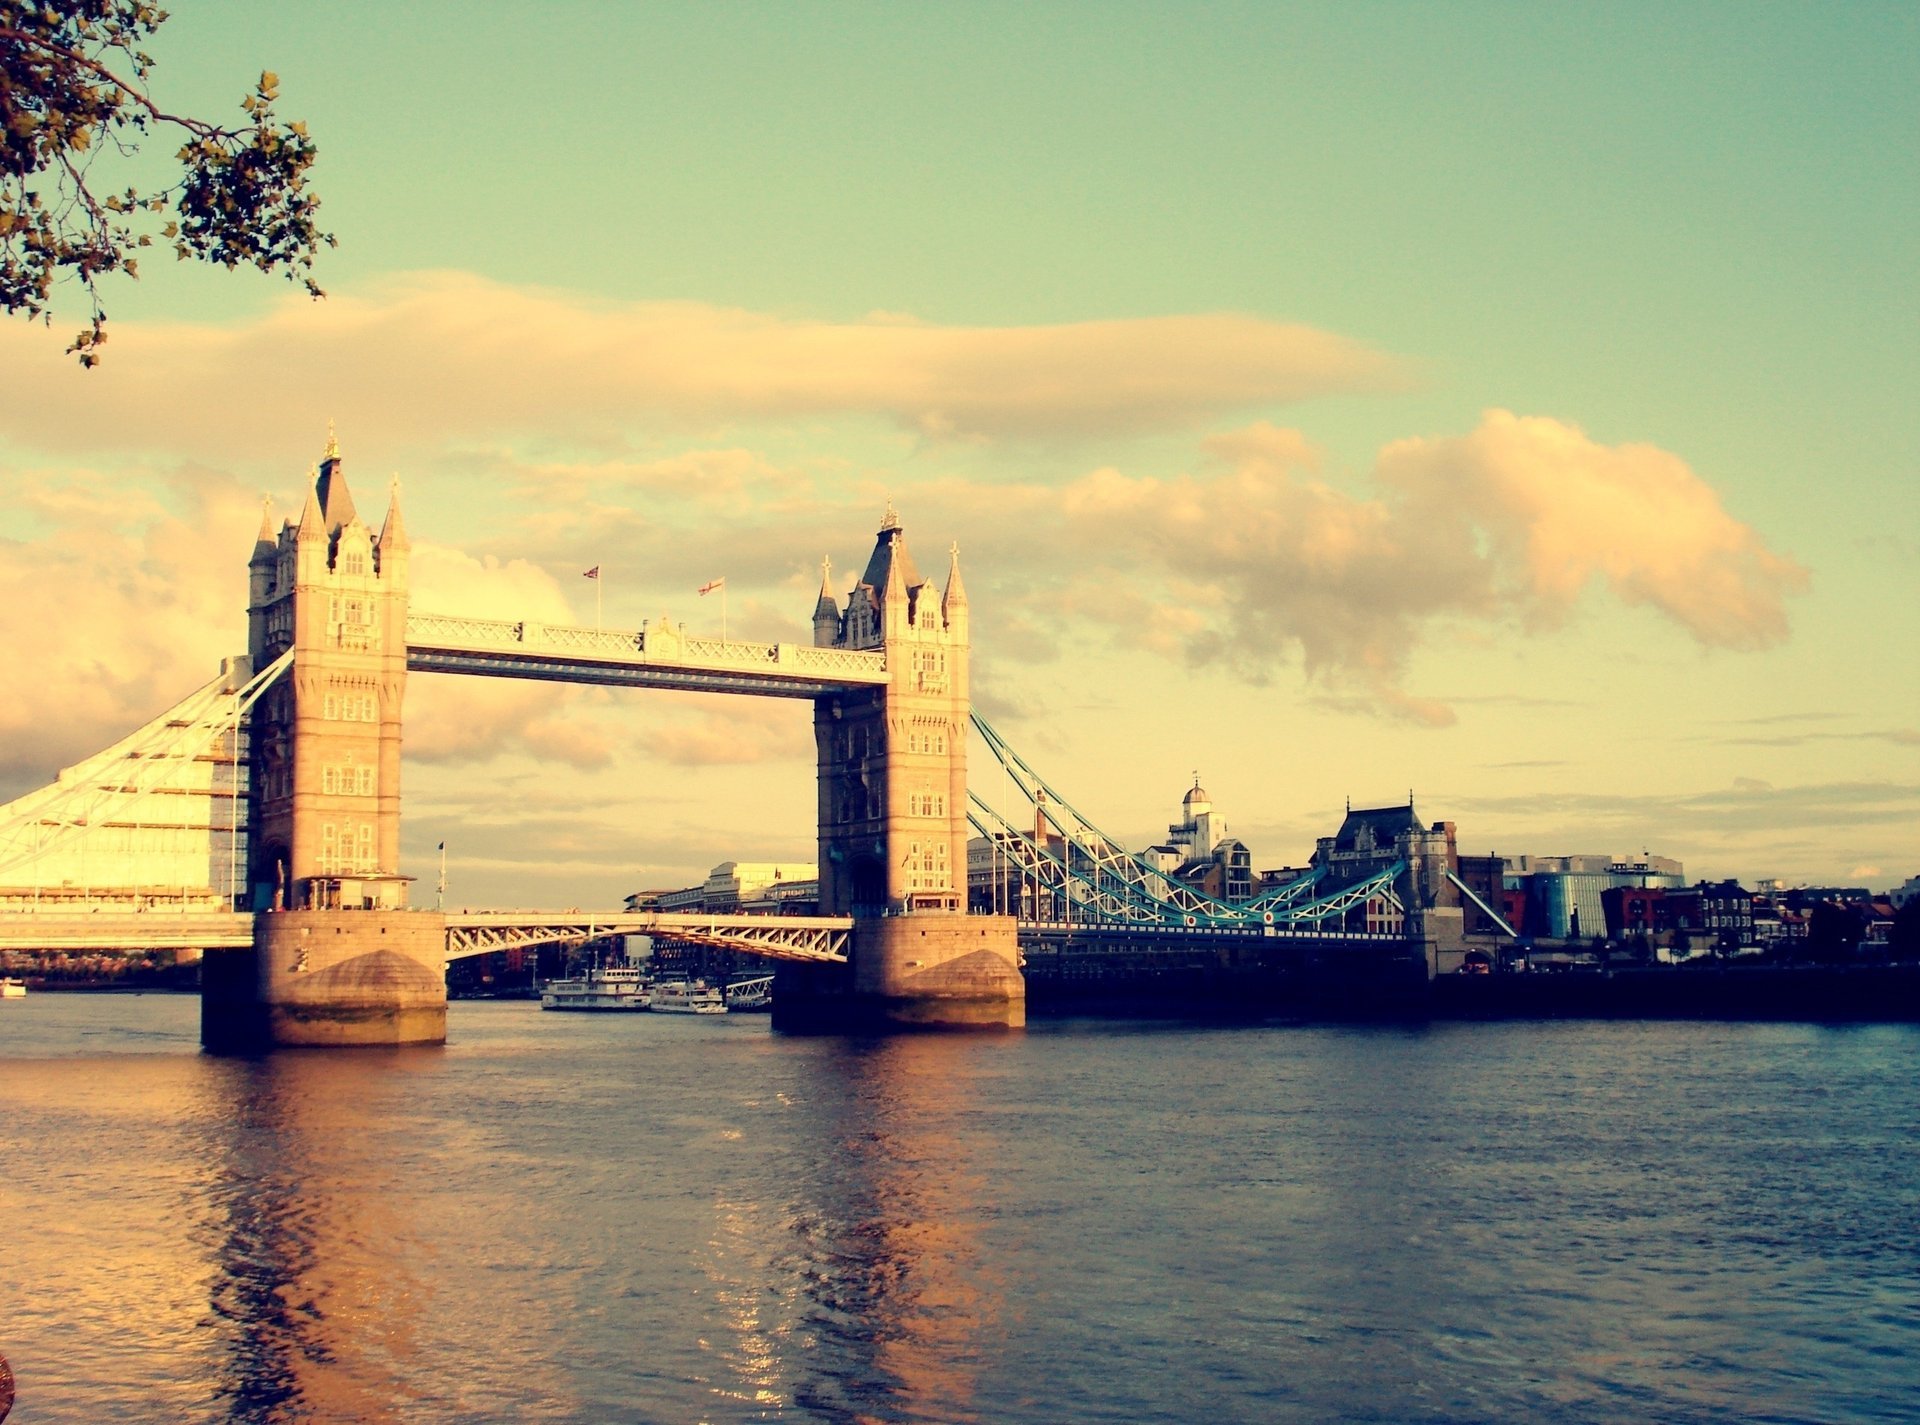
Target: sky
[{"x": 1509, "y": 405}]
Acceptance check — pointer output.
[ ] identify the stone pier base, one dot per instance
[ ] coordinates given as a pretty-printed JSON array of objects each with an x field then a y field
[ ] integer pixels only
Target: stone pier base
[
  {"x": 330, "y": 978},
  {"x": 922, "y": 971}
]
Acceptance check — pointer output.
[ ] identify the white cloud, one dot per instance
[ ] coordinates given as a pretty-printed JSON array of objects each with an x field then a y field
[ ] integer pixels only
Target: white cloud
[
  {"x": 1256, "y": 559},
  {"x": 1562, "y": 512},
  {"x": 124, "y": 602},
  {"x": 436, "y": 356}
]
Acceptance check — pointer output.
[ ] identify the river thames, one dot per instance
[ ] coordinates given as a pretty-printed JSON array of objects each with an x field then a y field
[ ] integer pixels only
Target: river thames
[{"x": 648, "y": 1218}]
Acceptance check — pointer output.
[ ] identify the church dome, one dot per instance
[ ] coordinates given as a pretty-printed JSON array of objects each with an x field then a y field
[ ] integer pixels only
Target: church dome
[{"x": 1197, "y": 794}]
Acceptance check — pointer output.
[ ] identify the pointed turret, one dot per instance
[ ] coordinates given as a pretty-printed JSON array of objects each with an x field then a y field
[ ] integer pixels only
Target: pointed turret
[
  {"x": 826, "y": 617},
  {"x": 266, "y": 546},
  {"x": 393, "y": 530},
  {"x": 313, "y": 522},
  {"x": 953, "y": 603}
]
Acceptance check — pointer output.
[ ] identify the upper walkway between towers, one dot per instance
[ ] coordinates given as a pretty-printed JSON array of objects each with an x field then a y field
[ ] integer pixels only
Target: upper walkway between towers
[{"x": 659, "y": 655}]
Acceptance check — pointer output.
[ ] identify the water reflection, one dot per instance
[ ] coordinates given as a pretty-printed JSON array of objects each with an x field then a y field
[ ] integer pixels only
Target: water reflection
[
  {"x": 316, "y": 1318},
  {"x": 860, "y": 1290}
]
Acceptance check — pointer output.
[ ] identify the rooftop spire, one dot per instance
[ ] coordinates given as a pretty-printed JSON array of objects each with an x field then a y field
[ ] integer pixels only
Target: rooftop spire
[
  {"x": 336, "y": 504},
  {"x": 265, "y": 543},
  {"x": 393, "y": 531},
  {"x": 313, "y": 524},
  {"x": 956, "y": 595},
  {"x": 890, "y": 572}
]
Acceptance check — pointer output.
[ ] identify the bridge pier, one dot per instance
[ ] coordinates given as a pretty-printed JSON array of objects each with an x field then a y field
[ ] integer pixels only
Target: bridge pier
[
  {"x": 920, "y": 971},
  {"x": 328, "y": 978}
]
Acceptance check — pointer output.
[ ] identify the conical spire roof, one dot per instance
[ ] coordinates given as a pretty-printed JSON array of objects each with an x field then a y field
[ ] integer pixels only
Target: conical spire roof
[
  {"x": 824, "y": 605},
  {"x": 313, "y": 523},
  {"x": 393, "y": 530},
  {"x": 956, "y": 594},
  {"x": 890, "y": 571},
  {"x": 265, "y": 543},
  {"x": 336, "y": 501}
]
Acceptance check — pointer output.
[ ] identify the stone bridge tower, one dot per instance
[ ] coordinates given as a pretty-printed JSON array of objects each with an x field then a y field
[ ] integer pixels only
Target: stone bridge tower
[
  {"x": 893, "y": 812},
  {"x": 326, "y": 740},
  {"x": 336, "y": 957}
]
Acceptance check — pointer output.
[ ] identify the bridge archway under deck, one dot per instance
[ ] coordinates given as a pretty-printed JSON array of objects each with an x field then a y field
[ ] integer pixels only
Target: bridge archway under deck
[{"x": 887, "y": 674}]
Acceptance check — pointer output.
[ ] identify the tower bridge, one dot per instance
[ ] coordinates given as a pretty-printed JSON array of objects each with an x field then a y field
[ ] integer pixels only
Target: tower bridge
[{"x": 284, "y": 772}]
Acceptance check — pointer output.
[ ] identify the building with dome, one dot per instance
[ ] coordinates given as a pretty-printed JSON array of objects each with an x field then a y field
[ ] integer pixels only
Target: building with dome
[{"x": 1199, "y": 852}]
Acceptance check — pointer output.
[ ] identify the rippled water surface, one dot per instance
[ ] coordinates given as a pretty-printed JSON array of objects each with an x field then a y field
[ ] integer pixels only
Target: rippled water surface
[{"x": 591, "y": 1218}]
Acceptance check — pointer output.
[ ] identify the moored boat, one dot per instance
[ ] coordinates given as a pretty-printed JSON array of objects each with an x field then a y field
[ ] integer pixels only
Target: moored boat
[
  {"x": 687, "y": 997},
  {"x": 750, "y": 996},
  {"x": 11, "y": 988},
  {"x": 611, "y": 987}
]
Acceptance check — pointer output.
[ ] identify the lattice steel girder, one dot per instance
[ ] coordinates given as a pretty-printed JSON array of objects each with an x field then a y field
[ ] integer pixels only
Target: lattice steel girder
[{"x": 778, "y": 937}]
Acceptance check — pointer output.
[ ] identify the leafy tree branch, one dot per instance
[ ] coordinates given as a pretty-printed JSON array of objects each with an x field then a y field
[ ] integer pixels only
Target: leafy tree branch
[{"x": 74, "y": 83}]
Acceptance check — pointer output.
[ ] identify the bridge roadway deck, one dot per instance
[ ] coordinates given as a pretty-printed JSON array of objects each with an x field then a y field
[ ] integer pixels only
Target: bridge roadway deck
[
  {"x": 121, "y": 930},
  {"x": 663, "y": 657},
  {"x": 779, "y": 937}
]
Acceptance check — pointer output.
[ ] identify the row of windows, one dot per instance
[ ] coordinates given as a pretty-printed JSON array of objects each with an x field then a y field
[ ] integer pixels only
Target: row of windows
[
  {"x": 933, "y": 742},
  {"x": 930, "y": 670},
  {"x": 350, "y": 707},
  {"x": 347, "y": 848},
  {"x": 926, "y": 804},
  {"x": 927, "y": 866},
  {"x": 347, "y": 781},
  {"x": 346, "y": 609}
]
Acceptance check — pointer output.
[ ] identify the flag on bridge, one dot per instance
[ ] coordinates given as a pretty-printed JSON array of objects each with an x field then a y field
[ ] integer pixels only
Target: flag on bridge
[
  {"x": 719, "y": 583},
  {"x": 593, "y": 573}
]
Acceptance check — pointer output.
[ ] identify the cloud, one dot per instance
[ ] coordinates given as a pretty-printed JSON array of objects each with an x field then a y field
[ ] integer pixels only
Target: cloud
[
  {"x": 428, "y": 357},
  {"x": 471, "y": 720},
  {"x": 1257, "y": 559},
  {"x": 123, "y": 604},
  {"x": 1562, "y": 511}
]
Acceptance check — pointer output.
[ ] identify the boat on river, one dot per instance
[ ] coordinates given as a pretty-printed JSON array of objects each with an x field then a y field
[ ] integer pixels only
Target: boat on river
[
  {"x": 687, "y": 997},
  {"x": 750, "y": 996},
  {"x": 11, "y": 988},
  {"x": 610, "y": 987}
]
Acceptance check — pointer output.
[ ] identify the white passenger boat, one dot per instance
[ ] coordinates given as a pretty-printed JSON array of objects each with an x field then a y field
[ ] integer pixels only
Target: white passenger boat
[
  {"x": 687, "y": 997},
  {"x": 602, "y": 987},
  {"x": 13, "y": 989},
  {"x": 747, "y": 996}
]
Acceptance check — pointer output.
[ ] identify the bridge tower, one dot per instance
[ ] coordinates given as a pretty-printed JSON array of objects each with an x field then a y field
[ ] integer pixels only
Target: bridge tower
[
  {"x": 893, "y": 815},
  {"x": 337, "y": 958}
]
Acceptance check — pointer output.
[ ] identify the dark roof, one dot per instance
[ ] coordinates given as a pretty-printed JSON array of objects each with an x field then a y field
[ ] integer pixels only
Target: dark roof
[
  {"x": 890, "y": 561},
  {"x": 1374, "y": 827},
  {"x": 336, "y": 505}
]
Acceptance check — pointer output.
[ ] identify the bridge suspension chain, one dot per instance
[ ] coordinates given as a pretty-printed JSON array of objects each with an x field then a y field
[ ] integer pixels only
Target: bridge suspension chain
[
  {"x": 111, "y": 786},
  {"x": 1096, "y": 876}
]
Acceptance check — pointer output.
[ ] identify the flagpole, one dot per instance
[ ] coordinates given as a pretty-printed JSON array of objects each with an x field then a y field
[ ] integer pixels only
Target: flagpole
[
  {"x": 598, "y": 581},
  {"x": 723, "y": 611}
]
